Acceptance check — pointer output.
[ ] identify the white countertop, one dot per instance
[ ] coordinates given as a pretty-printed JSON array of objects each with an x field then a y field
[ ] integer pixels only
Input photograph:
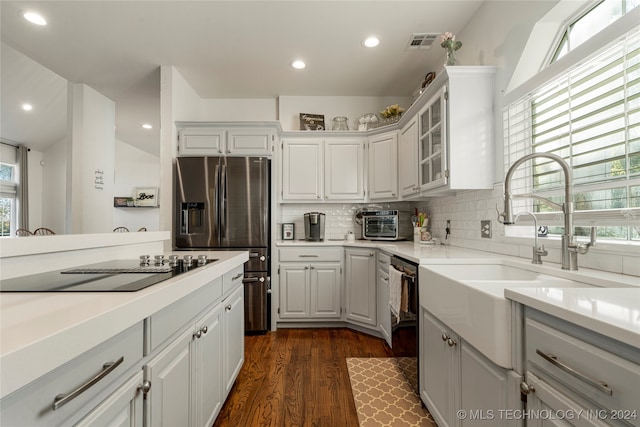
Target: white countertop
[
  {"x": 611, "y": 307},
  {"x": 41, "y": 331},
  {"x": 614, "y": 313}
]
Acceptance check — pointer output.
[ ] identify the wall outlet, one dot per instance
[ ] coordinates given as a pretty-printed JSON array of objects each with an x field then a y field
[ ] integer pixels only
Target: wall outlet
[{"x": 485, "y": 229}]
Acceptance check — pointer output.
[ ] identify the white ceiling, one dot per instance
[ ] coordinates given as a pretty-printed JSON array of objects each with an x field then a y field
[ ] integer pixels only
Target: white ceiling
[{"x": 224, "y": 49}]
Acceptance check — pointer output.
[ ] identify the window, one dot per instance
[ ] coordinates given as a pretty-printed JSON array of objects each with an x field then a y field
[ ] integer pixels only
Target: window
[
  {"x": 595, "y": 19},
  {"x": 589, "y": 116},
  {"x": 7, "y": 198}
]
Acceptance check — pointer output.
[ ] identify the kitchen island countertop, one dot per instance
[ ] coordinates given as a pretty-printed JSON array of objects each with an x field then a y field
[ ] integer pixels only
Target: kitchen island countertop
[{"x": 41, "y": 331}]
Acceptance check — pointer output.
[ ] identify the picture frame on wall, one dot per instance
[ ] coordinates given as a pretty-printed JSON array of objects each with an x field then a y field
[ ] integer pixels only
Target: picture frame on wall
[
  {"x": 146, "y": 196},
  {"x": 120, "y": 202},
  {"x": 311, "y": 121}
]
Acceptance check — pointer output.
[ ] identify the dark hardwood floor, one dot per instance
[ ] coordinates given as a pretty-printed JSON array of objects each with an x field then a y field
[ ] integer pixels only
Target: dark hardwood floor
[{"x": 299, "y": 377}]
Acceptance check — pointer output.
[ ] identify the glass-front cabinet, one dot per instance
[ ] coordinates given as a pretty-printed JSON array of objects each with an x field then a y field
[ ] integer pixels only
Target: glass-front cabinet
[{"x": 432, "y": 144}]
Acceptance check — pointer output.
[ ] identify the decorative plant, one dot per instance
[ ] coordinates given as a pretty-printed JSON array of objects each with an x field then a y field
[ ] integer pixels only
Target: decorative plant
[
  {"x": 449, "y": 42},
  {"x": 392, "y": 111}
]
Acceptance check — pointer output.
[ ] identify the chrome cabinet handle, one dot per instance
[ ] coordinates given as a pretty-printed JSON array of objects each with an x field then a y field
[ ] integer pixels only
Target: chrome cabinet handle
[
  {"x": 228, "y": 308},
  {"x": 307, "y": 256},
  {"x": 204, "y": 330},
  {"x": 62, "y": 399},
  {"x": 236, "y": 277},
  {"x": 445, "y": 337},
  {"x": 145, "y": 387},
  {"x": 451, "y": 342},
  {"x": 313, "y": 267},
  {"x": 600, "y": 385}
]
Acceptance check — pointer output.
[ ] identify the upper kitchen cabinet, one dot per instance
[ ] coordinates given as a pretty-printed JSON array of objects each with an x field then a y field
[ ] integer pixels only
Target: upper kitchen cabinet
[
  {"x": 408, "y": 179},
  {"x": 226, "y": 139},
  {"x": 455, "y": 132},
  {"x": 322, "y": 169},
  {"x": 383, "y": 166}
]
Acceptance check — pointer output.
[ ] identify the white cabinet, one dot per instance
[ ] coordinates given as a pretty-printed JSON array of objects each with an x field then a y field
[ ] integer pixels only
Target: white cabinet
[
  {"x": 360, "y": 289},
  {"x": 310, "y": 287},
  {"x": 322, "y": 169},
  {"x": 571, "y": 369},
  {"x": 225, "y": 139},
  {"x": 122, "y": 408},
  {"x": 382, "y": 296},
  {"x": 455, "y": 130},
  {"x": 192, "y": 375},
  {"x": 408, "y": 179},
  {"x": 383, "y": 166},
  {"x": 454, "y": 377}
]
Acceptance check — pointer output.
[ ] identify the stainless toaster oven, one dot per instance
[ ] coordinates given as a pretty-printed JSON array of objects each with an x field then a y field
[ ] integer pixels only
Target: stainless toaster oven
[{"x": 386, "y": 225}]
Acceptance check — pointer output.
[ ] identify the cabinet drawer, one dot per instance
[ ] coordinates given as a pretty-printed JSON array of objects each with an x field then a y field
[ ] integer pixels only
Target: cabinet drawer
[
  {"x": 310, "y": 254},
  {"x": 598, "y": 375},
  {"x": 232, "y": 279},
  {"x": 34, "y": 404},
  {"x": 384, "y": 261},
  {"x": 178, "y": 315}
]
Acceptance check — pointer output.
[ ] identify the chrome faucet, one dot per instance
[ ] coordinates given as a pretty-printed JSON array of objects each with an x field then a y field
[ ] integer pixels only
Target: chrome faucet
[
  {"x": 538, "y": 250},
  {"x": 570, "y": 246}
]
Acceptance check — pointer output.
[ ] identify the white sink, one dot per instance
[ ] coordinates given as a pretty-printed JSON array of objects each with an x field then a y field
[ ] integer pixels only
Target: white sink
[{"x": 469, "y": 298}]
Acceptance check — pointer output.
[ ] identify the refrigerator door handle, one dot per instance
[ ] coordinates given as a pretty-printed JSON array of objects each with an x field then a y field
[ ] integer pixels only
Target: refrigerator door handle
[
  {"x": 223, "y": 201},
  {"x": 184, "y": 228}
]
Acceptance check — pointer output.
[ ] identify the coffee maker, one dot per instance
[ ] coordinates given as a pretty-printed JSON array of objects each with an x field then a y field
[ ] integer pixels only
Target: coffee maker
[{"x": 314, "y": 226}]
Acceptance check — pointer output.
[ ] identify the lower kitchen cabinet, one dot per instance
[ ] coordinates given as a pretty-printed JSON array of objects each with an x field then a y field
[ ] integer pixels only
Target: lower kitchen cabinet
[
  {"x": 191, "y": 377},
  {"x": 122, "y": 408},
  {"x": 570, "y": 370},
  {"x": 360, "y": 276},
  {"x": 382, "y": 296},
  {"x": 310, "y": 290},
  {"x": 459, "y": 385}
]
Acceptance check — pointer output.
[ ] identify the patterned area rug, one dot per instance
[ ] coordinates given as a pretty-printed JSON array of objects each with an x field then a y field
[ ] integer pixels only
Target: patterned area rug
[{"x": 384, "y": 392}]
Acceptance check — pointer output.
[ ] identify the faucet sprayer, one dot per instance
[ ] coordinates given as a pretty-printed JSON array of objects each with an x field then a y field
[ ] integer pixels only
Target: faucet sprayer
[{"x": 570, "y": 247}]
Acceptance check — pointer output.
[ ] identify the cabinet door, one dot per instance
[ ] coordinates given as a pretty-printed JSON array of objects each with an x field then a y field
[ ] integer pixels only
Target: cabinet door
[
  {"x": 168, "y": 402},
  {"x": 438, "y": 382},
  {"x": 201, "y": 142},
  {"x": 249, "y": 142},
  {"x": 122, "y": 408},
  {"x": 433, "y": 142},
  {"x": 302, "y": 162},
  {"x": 294, "y": 291},
  {"x": 325, "y": 287},
  {"x": 383, "y": 167},
  {"x": 383, "y": 311},
  {"x": 361, "y": 286},
  {"x": 208, "y": 375},
  {"x": 547, "y": 398},
  {"x": 344, "y": 169},
  {"x": 233, "y": 337},
  {"x": 477, "y": 375},
  {"x": 408, "y": 159}
]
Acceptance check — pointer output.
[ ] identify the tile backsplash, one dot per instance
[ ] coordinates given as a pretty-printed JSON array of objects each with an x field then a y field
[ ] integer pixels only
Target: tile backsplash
[{"x": 339, "y": 217}]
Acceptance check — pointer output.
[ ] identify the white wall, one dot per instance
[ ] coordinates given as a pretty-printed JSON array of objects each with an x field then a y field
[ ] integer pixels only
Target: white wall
[
  {"x": 35, "y": 173},
  {"x": 135, "y": 168},
  {"x": 231, "y": 110},
  {"x": 54, "y": 185},
  {"x": 92, "y": 140}
]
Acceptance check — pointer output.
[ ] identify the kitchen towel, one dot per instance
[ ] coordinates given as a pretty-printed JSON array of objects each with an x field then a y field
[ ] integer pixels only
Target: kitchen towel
[{"x": 395, "y": 291}]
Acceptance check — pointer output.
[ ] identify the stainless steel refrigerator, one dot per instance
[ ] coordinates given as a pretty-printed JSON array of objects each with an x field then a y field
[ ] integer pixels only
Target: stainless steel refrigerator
[{"x": 223, "y": 203}]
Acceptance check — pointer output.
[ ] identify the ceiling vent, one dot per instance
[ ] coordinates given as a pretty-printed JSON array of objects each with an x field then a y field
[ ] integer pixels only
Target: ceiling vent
[{"x": 421, "y": 41}]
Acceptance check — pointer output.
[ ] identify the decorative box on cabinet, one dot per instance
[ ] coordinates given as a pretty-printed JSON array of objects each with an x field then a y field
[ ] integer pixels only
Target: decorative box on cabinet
[
  {"x": 456, "y": 131},
  {"x": 383, "y": 166},
  {"x": 322, "y": 169},
  {"x": 360, "y": 277},
  {"x": 225, "y": 139},
  {"x": 310, "y": 284}
]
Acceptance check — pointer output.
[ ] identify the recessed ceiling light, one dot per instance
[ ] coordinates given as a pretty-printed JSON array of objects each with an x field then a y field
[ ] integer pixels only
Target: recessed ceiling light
[
  {"x": 27, "y": 107},
  {"x": 371, "y": 42},
  {"x": 298, "y": 64},
  {"x": 35, "y": 18},
  {"x": 147, "y": 126}
]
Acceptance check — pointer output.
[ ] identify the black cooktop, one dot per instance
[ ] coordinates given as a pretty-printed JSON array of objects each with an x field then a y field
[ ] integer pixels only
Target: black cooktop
[{"x": 109, "y": 276}]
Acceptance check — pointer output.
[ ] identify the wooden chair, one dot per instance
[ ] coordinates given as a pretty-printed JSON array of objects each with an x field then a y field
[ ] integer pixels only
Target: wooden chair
[
  {"x": 120, "y": 230},
  {"x": 43, "y": 231},
  {"x": 23, "y": 232},
  {"x": 142, "y": 229}
]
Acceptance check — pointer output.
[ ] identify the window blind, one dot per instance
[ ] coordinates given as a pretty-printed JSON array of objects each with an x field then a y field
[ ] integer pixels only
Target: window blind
[{"x": 590, "y": 116}]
